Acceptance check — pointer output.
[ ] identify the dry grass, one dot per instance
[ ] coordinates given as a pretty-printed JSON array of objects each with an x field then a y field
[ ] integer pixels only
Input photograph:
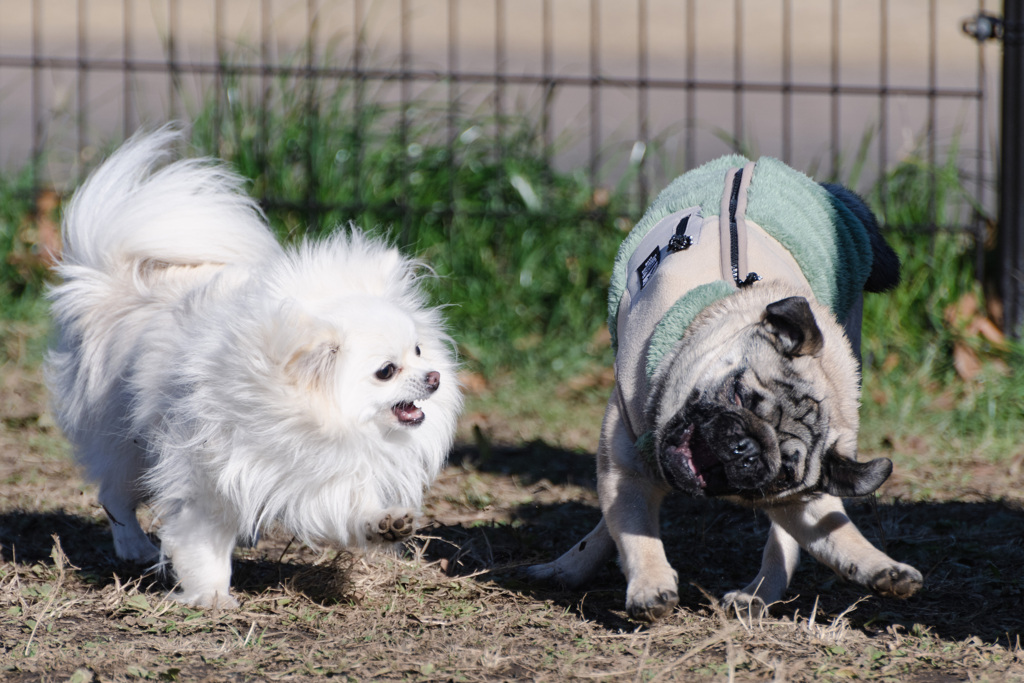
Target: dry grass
[{"x": 453, "y": 606}]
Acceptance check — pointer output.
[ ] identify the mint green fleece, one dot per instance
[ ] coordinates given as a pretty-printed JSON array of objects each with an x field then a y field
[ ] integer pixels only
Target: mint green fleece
[{"x": 828, "y": 242}]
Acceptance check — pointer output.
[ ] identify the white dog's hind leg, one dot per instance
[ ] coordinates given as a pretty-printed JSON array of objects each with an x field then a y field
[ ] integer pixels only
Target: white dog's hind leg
[
  {"x": 199, "y": 543},
  {"x": 822, "y": 528},
  {"x": 579, "y": 564},
  {"x": 130, "y": 541},
  {"x": 778, "y": 562},
  {"x": 119, "y": 496}
]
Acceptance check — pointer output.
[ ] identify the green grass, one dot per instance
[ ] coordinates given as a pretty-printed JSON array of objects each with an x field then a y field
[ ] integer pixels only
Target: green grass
[
  {"x": 523, "y": 254},
  {"x": 521, "y": 251},
  {"x": 911, "y": 385},
  {"x": 23, "y": 312}
]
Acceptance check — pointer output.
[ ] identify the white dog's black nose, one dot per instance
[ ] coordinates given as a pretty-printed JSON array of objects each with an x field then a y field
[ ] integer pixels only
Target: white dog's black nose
[{"x": 433, "y": 380}]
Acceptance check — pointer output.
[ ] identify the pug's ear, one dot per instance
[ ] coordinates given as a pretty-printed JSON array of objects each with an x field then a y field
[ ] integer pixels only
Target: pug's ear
[
  {"x": 847, "y": 478},
  {"x": 791, "y": 324}
]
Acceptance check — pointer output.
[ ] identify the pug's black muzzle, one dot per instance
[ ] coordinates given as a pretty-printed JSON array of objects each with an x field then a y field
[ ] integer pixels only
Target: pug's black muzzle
[{"x": 719, "y": 450}]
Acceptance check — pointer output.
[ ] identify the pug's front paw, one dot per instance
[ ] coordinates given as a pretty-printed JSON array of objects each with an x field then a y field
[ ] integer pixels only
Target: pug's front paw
[
  {"x": 744, "y": 605},
  {"x": 897, "y": 581},
  {"x": 648, "y": 599}
]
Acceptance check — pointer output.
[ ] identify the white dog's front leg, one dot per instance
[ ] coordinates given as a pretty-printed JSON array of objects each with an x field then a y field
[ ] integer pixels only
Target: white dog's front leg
[
  {"x": 778, "y": 562},
  {"x": 823, "y": 529},
  {"x": 199, "y": 543},
  {"x": 390, "y": 526}
]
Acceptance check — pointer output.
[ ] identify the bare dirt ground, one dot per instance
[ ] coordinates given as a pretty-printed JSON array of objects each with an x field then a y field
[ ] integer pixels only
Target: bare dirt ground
[{"x": 454, "y": 607}]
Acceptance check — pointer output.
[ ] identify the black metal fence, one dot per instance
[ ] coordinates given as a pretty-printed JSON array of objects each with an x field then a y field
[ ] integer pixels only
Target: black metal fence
[{"x": 631, "y": 91}]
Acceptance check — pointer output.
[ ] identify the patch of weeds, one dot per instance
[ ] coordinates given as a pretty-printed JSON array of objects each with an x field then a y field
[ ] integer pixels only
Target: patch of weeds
[{"x": 522, "y": 251}]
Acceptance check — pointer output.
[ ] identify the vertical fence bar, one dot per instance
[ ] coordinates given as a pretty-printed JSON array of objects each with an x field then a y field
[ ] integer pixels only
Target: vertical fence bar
[
  {"x": 643, "y": 91},
  {"x": 1011, "y": 172},
  {"x": 834, "y": 96},
  {"x": 263, "y": 141},
  {"x": 979, "y": 224},
  {"x": 883, "y": 105},
  {"x": 737, "y": 75},
  {"x": 81, "y": 92},
  {"x": 37, "y": 96},
  {"x": 933, "y": 61},
  {"x": 548, "y": 101},
  {"x": 218, "y": 76},
  {"x": 691, "y": 80},
  {"x": 595, "y": 93},
  {"x": 452, "y": 113},
  {"x": 787, "y": 81},
  {"x": 403, "y": 122},
  {"x": 547, "y": 67},
  {"x": 313, "y": 122},
  {"x": 358, "y": 95},
  {"x": 174, "y": 76},
  {"x": 129, "y": 65},
  {"x": 499, "y": 90}
]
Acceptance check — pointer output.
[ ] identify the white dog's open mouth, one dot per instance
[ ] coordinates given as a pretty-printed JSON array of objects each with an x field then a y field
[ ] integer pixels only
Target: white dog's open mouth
[{"x": 408, "y": 414}]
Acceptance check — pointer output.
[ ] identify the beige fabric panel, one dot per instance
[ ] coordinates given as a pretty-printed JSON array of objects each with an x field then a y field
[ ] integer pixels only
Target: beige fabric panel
[{"x": 677, "y": 275}]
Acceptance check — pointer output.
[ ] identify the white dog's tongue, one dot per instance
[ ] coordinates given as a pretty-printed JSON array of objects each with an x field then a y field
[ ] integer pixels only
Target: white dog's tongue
[{"x": 408, "y": 413}]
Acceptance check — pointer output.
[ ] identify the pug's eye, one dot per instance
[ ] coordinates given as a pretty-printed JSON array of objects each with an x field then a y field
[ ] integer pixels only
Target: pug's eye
[
  {"x": 387, "y": 371},
  {"x": 737, "y": 388}
]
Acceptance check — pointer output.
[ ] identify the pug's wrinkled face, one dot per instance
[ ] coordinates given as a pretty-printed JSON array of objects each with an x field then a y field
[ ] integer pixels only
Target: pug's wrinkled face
[{"x": 747, "y": 410}]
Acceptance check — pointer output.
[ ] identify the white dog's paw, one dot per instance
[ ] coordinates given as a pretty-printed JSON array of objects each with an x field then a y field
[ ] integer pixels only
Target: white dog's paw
[
  {"x": 208, "y": 599},
  {"x": 649, "y": 598},
  {"x": 896, "y": 581},
  {"x": 744, "y": 605},
  {"x": 394, "y": 525}
]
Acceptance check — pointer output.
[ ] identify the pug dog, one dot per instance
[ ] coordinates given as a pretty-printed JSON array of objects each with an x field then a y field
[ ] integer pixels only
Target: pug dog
[{"x": 735, "y": 309}]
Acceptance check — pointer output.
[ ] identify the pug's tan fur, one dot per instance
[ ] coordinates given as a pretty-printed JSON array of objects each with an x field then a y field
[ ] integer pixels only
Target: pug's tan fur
[{"x": 728, "y": 334}]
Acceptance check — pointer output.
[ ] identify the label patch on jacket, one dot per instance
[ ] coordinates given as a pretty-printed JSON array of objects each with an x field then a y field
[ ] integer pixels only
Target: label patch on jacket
[
  {"x": 646, "y": 270},
  {"x": 673, "y": 234}
]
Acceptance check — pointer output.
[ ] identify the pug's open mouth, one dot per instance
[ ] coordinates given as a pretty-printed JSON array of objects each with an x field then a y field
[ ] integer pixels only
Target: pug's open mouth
[
  {"x": 691, "y": 452},
  {"x": 408, "y": 414}
]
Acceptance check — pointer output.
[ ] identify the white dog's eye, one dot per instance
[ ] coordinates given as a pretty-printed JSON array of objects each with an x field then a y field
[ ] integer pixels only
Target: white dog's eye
[
  {"x": 387, "y": 371},
  {"x": 417, "y": 349}
]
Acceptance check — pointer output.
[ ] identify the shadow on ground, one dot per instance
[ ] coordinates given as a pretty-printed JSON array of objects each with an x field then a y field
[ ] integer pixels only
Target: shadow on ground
[
  {"x": 971, "y": 553},
  {"x": 27, "y": 539}
]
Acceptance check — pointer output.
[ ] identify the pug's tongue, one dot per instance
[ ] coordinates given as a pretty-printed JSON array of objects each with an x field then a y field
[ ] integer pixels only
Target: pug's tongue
[
  {"x": 408, "y": 413},
  {"x": 683, "y": 451}
]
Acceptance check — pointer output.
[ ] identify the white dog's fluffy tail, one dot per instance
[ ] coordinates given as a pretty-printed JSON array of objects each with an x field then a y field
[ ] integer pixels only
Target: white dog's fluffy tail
[
  {"x": 139, "y": 236},
  {"x": 190, "y": 212}
]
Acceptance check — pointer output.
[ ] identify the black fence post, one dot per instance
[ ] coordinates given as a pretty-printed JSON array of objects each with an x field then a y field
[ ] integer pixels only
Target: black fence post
[{"x": 1011, "y": 171}]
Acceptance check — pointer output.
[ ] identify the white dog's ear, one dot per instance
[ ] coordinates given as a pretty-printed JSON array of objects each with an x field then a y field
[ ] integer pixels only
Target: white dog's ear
[{"x": 312, "y": 366}]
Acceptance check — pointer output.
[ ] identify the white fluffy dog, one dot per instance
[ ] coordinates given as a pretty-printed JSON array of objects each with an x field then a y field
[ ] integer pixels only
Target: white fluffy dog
[{"x": 230, "y": 382}]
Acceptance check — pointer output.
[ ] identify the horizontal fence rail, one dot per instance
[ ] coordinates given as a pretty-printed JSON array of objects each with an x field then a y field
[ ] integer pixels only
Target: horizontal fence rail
[{"x": 593, "y": 79}]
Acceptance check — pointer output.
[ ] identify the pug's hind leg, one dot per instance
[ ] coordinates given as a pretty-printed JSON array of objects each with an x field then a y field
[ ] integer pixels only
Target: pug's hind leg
[
  {"x": 778, "y": 562},
  {"x": 579, "y": 564},
  {"x": 823, "y": 529}
]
